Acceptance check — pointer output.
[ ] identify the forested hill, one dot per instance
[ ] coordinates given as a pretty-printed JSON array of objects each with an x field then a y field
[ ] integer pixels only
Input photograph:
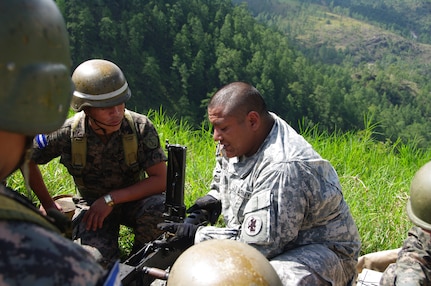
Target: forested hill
[
  {"x": 177, "y": 53},
  {"x": 386, "y": 42},
  {"x": 361, "y": 31},
  {"x": 408, "y": 18}
]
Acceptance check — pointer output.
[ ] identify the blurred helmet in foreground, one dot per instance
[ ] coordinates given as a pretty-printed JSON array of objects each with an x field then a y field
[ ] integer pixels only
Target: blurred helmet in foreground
[
  {"x": 419, "y": 204},
  {"x": 35, "y": 84},
  {"x": 222, "y": 262}
]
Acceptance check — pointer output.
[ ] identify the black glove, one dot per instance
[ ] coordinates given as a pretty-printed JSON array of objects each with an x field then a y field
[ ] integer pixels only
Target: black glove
[
  {"x": 209, "y": 204},
  {"x": 184, "y": 234}
]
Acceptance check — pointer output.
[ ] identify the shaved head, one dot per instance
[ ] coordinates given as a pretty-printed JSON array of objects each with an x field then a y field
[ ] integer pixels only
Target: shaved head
[
  {"x": 240, "y": 119},
  {"x": 238, "y": 99}
]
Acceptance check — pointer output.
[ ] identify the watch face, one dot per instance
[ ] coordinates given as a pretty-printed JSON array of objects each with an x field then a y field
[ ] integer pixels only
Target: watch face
[{"x": 108, "y": 200}]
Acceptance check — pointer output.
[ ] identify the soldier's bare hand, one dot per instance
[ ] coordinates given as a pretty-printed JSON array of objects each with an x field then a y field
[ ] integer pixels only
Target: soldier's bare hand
[
  {"x": 96, "y": 214},
  {"x": 56, "y": 206}
]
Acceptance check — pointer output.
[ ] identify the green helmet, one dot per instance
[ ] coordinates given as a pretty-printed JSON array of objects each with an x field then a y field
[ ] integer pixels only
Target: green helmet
[
  {"x": 34, "y": 67},
  {"x": 222, "y": 262},
  {"x": 99, "y": 83},
  {"x": 419, "y": 204}
]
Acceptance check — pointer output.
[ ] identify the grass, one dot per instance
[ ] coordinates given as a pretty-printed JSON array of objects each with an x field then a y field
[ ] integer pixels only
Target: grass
[
  {"x": 375, "y": 176},
  {"x": 376, "y": 179}
]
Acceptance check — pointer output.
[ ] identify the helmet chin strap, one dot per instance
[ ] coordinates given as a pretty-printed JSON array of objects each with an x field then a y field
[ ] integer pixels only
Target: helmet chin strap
[{"x": 98, "y": 124}]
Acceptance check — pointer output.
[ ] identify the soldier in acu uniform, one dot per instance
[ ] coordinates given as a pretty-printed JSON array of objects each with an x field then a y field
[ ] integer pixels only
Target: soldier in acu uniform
[
  {"x": 413, "y": 265},
  {"x": 276, "y": 193},
  {"x": 115, "y": 158},
  {"x": 35, "y": 93}
]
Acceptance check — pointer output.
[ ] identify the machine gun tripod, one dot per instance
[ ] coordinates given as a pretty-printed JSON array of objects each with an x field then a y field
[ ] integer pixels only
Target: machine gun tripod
[{"x": 151, "y": 261}]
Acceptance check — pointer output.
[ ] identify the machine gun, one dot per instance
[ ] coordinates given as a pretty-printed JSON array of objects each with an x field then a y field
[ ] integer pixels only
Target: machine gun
[
  {"x": 175, "y": 209},
  {"x": 150, "y": 262}
]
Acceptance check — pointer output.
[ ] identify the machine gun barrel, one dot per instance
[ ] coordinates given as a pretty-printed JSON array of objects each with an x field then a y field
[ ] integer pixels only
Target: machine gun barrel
[{"x": 156, "y": 272}]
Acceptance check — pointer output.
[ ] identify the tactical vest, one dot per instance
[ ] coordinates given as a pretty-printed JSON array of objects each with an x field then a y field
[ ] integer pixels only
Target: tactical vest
[{"x": 79, "y": 148}]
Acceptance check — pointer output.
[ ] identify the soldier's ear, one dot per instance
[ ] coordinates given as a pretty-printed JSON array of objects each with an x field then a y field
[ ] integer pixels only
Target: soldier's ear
[{"x": 254, "y": 119}]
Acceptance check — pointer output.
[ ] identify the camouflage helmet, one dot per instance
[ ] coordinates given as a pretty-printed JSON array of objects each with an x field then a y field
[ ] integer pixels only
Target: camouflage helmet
[
  {"x": 419, "y": 204},
  {"x": 222, "y": 262},
  {"x": 35, "y": 67},
  {"x": 99, "y": 83}
]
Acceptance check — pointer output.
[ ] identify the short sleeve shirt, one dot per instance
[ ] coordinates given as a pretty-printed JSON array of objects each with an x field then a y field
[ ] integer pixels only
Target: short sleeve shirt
[{"x": 106, "y": 168}]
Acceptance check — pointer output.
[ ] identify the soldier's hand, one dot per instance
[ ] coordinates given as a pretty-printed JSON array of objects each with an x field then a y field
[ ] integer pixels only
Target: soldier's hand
[
  {"x": 184, "y": 234},
  {"x": 44, "y": 209},
  {"x": 210, "y": 204},
  {"x": 96, "y": 214},
  {"x": 61, "y": 221}
]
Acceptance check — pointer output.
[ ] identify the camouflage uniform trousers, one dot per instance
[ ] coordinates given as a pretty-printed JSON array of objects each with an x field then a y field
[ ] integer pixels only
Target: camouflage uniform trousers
[
  {"x": 313, "y": 264},
  {"x": 413, "y": 266},
  {"x": 33, "y": 255},
  {"x": 142, "y": 216}
]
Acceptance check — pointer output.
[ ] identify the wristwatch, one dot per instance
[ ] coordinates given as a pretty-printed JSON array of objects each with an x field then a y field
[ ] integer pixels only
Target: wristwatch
[{"x": 108, "y": 200}]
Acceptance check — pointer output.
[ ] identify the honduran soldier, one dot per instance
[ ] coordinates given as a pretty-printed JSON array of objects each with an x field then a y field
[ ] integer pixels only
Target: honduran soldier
[
  {"x": 413, "y": 265},
  {"x": 115, "y": 158},
  {"x": 35, "y": 93}
]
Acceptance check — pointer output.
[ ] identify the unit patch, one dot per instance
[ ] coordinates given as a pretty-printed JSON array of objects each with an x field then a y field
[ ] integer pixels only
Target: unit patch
[
  {"x": 253, "y": 225},
  {"x": 151, "y": 141}
]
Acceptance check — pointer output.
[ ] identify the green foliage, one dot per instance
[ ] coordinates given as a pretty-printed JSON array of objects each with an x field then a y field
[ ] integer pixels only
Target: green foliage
[
  {"x": 200, "y": 151},
  {"x": 375, "y": 176},
  {"x": 365, "y": 69},
  {"x": 175, "y": 54},
  {"x": 409, "y": 18}
]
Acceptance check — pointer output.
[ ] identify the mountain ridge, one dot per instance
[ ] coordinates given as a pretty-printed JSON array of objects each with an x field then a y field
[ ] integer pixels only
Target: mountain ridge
[{"x": 312, "y": 26}]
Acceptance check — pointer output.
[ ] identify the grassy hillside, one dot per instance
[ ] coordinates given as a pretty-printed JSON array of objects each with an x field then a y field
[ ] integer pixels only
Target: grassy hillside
[
  {"x": 362, "y": 41},
  {"x": 319, "y": 25},
  {"x": 375, "y": 177},
  {"x": 375, "y": 54}
]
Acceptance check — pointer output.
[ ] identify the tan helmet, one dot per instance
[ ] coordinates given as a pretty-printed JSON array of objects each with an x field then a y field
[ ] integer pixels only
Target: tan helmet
[
  {"x": 222, "y": 262},
  {"x": 35, "y": 67},
  {"x": 419, "y": 204},
  {"x": 99, "y": 83}
]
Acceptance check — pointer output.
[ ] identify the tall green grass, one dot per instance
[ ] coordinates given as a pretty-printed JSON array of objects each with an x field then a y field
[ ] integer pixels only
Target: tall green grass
[
  {"x": 375, "y": 176},
  {"x": 376, "y": 179}
]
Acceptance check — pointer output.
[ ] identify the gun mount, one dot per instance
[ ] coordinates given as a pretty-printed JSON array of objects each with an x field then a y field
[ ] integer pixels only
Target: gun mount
[{"x": 150, "y": 262}]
